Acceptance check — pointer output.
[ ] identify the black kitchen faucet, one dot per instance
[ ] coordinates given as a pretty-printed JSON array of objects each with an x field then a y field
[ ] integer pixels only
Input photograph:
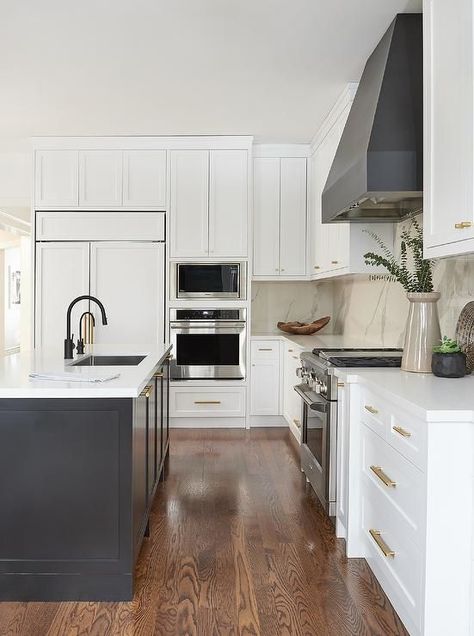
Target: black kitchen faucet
[{"x": 69, "y": 342}]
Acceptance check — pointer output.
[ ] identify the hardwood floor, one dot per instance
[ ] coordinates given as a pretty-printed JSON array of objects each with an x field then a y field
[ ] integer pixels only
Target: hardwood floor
[{"x": 239, "y": 545}]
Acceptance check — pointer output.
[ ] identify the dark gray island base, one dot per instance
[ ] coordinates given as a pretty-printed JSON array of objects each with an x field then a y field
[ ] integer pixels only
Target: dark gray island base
[{"x": 77, "y": 481}]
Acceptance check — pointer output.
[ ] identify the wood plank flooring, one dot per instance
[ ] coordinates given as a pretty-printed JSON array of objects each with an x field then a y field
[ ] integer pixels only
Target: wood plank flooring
[{"x": 239, "y": 545}]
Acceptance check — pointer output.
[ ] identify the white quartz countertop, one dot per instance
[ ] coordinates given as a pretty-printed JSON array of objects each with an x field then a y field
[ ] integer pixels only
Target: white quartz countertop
[
  {"x": 320, "y": 340},
  {"x": 431, "y": 398},
  {"x": 15, "y": 369}
]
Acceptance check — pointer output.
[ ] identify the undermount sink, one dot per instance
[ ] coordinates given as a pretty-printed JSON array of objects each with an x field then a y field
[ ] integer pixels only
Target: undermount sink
[{"x": 108, "y": 361}]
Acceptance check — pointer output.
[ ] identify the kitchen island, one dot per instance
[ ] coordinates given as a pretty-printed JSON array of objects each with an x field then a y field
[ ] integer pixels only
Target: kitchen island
[{"x": 80, "y": 462}]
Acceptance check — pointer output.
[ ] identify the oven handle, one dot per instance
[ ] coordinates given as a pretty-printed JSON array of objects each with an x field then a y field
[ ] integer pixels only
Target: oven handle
[
  {"x": 320, "y": 407},
  {"x": 207, "y": 325}
]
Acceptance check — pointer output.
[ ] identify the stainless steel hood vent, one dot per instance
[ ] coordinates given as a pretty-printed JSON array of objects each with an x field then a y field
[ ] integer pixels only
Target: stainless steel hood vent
[{"x": 377, "y": 173}]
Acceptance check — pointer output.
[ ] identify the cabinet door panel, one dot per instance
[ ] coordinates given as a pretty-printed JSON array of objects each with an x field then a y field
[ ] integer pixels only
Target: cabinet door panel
[
  {"x": 56, "y": 179},
  {"x": 62, "y": 274},
  {"x": 144, "y": 179},
  {"x": 266, "y": 213},
  {"x": 293, "y": 217},
  {"x": 265, "y": 388},
  {"x": 128, "y": 279},
  {"x": 100, "y": 178},
  {"x": 228, "y": 203},
  {"x": 139, "y": 463},
  {"x": 189, "y": 203}
]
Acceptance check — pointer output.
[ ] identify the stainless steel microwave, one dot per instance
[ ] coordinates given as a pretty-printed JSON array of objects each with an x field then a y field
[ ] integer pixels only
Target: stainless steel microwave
[{"x": 209, "y": 280}]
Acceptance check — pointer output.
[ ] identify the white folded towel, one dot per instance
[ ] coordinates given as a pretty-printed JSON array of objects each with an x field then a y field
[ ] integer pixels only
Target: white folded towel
[{"x": 72, "y": 377}]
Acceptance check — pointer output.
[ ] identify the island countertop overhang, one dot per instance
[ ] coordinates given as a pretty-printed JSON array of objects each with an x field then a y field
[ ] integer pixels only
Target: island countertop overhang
[{"x": 15, "y": 369}]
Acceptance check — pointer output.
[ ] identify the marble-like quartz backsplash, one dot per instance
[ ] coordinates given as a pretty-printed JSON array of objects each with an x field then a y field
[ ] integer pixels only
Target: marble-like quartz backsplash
[{"x": 285, "y": 301}]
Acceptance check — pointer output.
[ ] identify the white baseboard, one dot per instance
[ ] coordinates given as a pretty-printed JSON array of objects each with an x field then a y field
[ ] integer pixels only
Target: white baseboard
[
  {"x": 207, "y": 422},
  {"x": 267, "y": 420}
]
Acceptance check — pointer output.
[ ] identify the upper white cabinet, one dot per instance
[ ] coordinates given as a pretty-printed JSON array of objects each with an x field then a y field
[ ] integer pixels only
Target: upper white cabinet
[
  {"x": 338, "y": 248},
  {"x": 189, "y": 203},
  {"x": 56, "y": 179},
  {"x": 279, "y": 217},
  {"x": 448, "y": 215},
  {"x": 228, "y": 203},
  {"x": 144, "y": 179},
  {"x": 100, "y": 178},
  {"x": 208, "y": 203}
]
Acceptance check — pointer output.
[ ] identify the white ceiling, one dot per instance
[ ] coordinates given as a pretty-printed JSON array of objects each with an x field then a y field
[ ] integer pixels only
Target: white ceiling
[{"x": 269, "y": 68}]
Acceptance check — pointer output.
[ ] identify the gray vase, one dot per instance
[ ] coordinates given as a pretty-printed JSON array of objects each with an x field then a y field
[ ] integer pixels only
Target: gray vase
[{"x": 422, "y": 332}]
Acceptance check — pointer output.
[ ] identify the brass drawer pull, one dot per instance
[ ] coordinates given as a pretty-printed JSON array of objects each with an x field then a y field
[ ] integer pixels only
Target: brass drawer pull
[
  {"x": 340, "y": 384},
  {"x": 290, "y": 350},
  {"x": 334, "y": 262},
  {"x": 401, "y": 431},
  {"x": 463, "y": 225},
  {"x": 146, "y": 392},
  {"x": 317, "y": 267},
  {"x": 158, "y": 375},
  {"x": 377, "y": 537},
  {"x": 207, "y": 401},
  {"x": 370, "y": 409},
  {"x": 378, "y": 472},
  {"x": 267, "y": 349},
  {"x": 297, "y": 423}
]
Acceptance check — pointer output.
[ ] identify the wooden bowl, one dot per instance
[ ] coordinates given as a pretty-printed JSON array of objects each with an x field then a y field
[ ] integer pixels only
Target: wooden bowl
[{"x": 303, "y": 329}]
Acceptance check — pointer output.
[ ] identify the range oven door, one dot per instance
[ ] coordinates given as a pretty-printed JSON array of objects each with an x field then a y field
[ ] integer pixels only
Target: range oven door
[
  {"x": 318, "y": 445},
  {"x": 208, "y": 350},
  {"x": 210, "y": 280}
]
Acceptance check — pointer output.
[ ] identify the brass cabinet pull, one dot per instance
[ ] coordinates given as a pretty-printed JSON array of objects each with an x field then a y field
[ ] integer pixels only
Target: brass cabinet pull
[
  {"x": 295, "y": 357},
  {"x": 297, "y": 423},
  {"x": 340, "y": 384},
  {"x": 207, "y": 401},
  {"x": 378, "y": 472},
  {"x": 377, "y": 537},
  {"x": 159, "y": 374},
  {"x": 401, "y": 431},
  {"x": 317, "y": 267},
  {"x": 334, "y": 262},
  {"x": 146, "y": 391},
  {"x": 267, "y": 349},
  {"x": 290, "y": 350},
  {"x": 371, "y": 409},
  {"x": 463, "y": 225}
]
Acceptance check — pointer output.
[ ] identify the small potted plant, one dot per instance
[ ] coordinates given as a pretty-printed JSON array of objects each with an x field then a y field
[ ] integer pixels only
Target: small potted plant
[{"x": 448, "y": 360}]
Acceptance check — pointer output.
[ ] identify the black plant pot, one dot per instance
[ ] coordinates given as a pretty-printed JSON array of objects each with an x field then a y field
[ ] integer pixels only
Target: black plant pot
[{"x": 449, "y": 365}]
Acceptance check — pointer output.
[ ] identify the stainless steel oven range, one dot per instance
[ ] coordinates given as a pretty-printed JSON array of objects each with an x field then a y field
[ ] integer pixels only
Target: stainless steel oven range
[
  {"x": 318, "y": 391},
  {"x": 208, "y": 343}
]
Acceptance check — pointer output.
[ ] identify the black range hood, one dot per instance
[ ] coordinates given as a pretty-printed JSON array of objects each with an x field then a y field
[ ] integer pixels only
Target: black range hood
[{"x": 377, "y": 172}]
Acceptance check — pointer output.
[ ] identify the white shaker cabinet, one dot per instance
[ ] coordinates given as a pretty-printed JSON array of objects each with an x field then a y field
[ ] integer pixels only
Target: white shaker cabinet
[
  {"x": 100, "y": 179},
  {"x": 144, "y": 179},
  {"x": 62, "y": 274},
  {"x": 56, "y": 179},
  {"x": 209, "y": 203},
  {"x": 265, "y": 377},
  {"x": 293, "y": 216},
  {"x": 266, "y": 238},
  {"x": 189, "y": 203},
  {"x": 279, "y": 217},
  {"x": 448, "y": 215},
  {"x": 228, "y": 203},
  {"x": 128, "y": 278}
]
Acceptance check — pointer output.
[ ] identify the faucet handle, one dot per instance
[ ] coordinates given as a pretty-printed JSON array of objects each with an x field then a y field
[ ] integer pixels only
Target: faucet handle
[{"x": 80, "y": 346}]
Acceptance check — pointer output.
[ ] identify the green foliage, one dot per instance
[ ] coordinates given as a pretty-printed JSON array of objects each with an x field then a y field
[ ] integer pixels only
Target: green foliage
[
  {"x": 417, "y": 279},
  {"x": 447, "y": 346}
]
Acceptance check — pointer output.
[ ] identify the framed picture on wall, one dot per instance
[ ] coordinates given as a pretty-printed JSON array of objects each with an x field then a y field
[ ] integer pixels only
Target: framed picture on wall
[{"x": 14, "y": 287}]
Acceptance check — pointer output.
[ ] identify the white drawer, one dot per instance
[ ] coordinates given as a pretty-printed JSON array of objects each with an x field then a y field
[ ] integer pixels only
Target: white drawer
[
  {"x": 408, "y": 435},
  {"x": 400, "y": 575},
  {"x": 207, "y": 402},
  {"x": 375, "y": 413},
  {"x": 263, "y": 350},
  {"x": 100, "y": 226},
  {"x": 388, "y": 474}
]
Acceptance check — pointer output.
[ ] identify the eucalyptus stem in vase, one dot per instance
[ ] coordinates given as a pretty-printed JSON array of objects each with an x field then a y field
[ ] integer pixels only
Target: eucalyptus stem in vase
[{"x": 415, "y": 274}]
